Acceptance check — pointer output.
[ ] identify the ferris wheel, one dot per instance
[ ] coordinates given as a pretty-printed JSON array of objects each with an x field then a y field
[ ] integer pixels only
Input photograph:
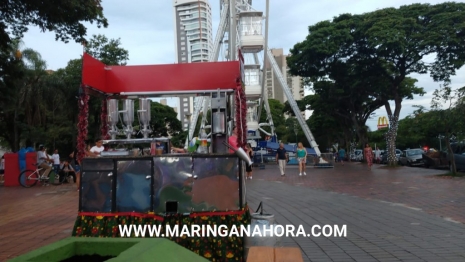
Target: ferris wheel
[{"x": 243, "y": 34}]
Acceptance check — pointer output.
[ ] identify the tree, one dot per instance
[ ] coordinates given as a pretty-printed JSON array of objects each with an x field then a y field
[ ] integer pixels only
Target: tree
[
  {"x": 276, "y": 109},
  {"x": 328, "y": 129},
  {"x": 62, "y": 17},
  {"x": 22, "y": 106},
  {"x": 164, "y": 121},
  {"x": 62, "y": 106},
  {"x": 325, "y": 119},
  {"x": 107, "y": 51},
  {"x": 451, "y": 117},
  {"x": 386, "y": 44},
  {"x": 48, "y": 15}
]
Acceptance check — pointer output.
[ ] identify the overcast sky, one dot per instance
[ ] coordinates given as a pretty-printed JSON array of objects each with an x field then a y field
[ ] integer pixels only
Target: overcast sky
[{"x": 146, "y": 30}]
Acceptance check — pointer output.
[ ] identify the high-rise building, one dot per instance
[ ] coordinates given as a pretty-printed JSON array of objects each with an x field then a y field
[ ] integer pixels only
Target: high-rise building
[
  {"x": 272, "y": 85},
  {"x": 193, "y": 33}
]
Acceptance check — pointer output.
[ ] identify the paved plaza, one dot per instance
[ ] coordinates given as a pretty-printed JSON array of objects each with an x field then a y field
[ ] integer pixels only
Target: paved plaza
[{"x": 402, "y": 214}]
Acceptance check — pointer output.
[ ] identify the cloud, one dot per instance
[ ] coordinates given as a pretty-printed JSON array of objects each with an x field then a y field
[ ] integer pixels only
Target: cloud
[{"x": 146, "y": 30}]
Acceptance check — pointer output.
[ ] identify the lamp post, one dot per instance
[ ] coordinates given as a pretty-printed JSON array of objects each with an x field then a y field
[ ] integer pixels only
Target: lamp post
[{"x": 440, "y": 144}]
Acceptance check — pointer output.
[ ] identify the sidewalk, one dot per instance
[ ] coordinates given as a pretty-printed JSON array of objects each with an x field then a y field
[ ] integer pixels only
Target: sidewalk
[
  {"x": 401, "y": 214},
  {"x": 411, "y": 186},
  {"x": 34, "y": 217},
  {"x": 391, "y": 214}
]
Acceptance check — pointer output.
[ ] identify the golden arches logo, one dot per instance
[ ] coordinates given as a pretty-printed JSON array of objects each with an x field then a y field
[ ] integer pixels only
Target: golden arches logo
[{"x": 382, "y": 122}]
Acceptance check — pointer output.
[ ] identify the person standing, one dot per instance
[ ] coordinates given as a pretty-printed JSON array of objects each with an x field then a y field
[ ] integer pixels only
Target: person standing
[
  {"x": 368, "y": 152},
  {"x": 342, "y": 155},
  {"x": 248, "y": 168},
  {"x": 42, "y": 161},
  {"x": 232, "y": 140},
  {"x": 301, "y": 158},
  {"x": 377, "y": 155},
  {"x": 66, "y": 171},
  {"x": 77, "y": 168},
  {"x": 98, "y": 148},
  {"x": 56, "y": 161},
  {"x": 282, "y": 158}
]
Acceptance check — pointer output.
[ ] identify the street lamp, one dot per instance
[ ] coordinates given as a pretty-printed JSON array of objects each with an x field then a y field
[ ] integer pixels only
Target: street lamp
[{"x": 440, "y": 138}]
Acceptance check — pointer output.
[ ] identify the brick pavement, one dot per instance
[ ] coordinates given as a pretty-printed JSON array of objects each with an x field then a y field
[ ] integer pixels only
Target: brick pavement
[
  {"x": 385, "y": 210},
  {"x": 34, "y": 217},
  {"x": 412, "y": 186},
  {"x": 391, "y": 214}
]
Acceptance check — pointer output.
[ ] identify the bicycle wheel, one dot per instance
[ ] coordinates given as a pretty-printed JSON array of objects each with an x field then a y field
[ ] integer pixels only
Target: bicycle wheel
[{"x": 28, "y": 178}]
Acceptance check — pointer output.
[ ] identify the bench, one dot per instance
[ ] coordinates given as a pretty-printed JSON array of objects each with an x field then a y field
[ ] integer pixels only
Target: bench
[{"x": 274, "y": 254}]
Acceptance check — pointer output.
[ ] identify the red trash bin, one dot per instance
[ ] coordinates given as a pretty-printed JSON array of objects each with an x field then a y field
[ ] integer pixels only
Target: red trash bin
[
  {"x": 31, "y": 160},
  {"x": 11, "y": 169}
]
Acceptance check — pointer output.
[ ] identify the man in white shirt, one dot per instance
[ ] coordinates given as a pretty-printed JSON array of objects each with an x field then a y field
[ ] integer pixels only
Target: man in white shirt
[
  {"x": 98, "y": 148},
  {"x": 42, "y": 161},
  {"x": 56, "y": 161},
  {"x": 377, "y": 155}
]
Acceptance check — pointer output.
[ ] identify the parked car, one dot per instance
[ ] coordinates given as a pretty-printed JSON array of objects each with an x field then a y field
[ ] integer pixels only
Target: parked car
[
  {"x": 384, "y": 159},
  {"x": 412, "y": 157},
  {"x": 459, "y": 156},
  {"x": 436, "y": 159}
]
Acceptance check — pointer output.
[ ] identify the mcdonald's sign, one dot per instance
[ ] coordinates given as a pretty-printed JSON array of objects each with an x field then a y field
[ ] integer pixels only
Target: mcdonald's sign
[{"x": 382, "y": 122}]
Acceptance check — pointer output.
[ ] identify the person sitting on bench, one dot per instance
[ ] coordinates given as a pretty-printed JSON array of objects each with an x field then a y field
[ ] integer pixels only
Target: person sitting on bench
[{"x": 67, "y": 170}]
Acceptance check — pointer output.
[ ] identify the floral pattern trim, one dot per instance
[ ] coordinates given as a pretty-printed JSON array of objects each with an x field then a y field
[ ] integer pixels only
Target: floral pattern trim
[{"x": 213, "y": 248}]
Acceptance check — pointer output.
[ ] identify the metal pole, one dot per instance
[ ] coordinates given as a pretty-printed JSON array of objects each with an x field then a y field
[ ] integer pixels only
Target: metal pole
[
  {"x": 232, "y": 30},
  {"x": 295, "y": 131},
  {"x": 440, "y": 145},
  {"x": 265, "y": 47}
]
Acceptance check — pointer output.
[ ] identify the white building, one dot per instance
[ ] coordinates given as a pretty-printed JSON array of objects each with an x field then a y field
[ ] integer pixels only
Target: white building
[{"x": 193, "y": 40}]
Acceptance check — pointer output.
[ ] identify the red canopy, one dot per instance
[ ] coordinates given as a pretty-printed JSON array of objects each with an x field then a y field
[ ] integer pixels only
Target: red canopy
[{"x": 160, "y": 79}]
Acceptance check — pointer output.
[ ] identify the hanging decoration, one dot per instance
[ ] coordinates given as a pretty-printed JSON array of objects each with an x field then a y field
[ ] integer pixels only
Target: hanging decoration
[
  {"x": 104, "y": 120},
  {"x": 241, "y": 114},
  {"x": 83, "y": 105},
  {"x": 391, "y": 139}
]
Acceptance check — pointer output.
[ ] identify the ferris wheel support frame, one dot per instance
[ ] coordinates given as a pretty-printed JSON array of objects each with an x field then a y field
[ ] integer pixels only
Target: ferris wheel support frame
[{"x": 264, "y": 100}]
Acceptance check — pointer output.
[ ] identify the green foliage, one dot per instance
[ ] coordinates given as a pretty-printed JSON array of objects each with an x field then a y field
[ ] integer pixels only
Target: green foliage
[
  {"x": 367, "y": 57},
  {"x": 62, "y": 17},
  {"x": 377, "y": 137},
  {"x": 65, "y": 18},
  {"x": 164, "y": 121},
  {"x": 40, "y": 106},
  {"x": 277, "y": 115},
  {"x": 107, "y": 51}
]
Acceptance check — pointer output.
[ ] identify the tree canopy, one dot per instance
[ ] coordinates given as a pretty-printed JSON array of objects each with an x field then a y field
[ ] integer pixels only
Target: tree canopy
[
  {"x": 108, "y": 51},
  {"x": 279, "y": 121},
  {"x": 62, "y": 17},
  {"x": 65, "y": 18},
  {"x": 370, "y": 55}
]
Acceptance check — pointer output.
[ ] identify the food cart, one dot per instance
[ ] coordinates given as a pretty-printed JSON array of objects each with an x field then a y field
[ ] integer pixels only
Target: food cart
[{"x": 131, "y": 184}]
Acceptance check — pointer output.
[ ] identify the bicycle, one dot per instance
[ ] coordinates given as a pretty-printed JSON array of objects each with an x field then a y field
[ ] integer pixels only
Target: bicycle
[{"x": 29, "y": 178}]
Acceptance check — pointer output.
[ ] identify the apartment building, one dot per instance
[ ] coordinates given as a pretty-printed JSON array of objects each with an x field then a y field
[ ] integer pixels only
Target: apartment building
[{"x": 193, "y": 41}]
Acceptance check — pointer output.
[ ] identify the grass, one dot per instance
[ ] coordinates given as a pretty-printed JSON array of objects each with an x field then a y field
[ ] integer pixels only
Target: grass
[
  {"x": 449, "y": 174},
  {"x": 390, "y": 167}
]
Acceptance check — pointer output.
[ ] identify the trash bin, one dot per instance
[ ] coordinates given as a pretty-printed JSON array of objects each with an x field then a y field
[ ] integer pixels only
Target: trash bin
[
  {"x": 11, "y": 170},
  {"x": 263, "y": 221}
]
